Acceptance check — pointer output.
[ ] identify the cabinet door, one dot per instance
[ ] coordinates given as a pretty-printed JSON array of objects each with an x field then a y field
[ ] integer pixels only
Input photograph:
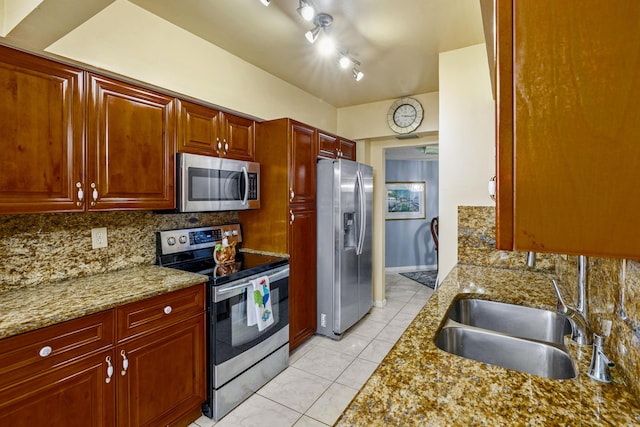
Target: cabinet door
[
  {"x": 40, "y": 134},
  {"x": 327, "y": 145},
  {"x": 198, "y": 129},
  {"x": 72, "y": 395},
  {"x": 302, "y": 164},
  {"x": 568, "y": 180},
  {"x": 130, "y": 146},
  {"x": 302, "y": 276},
  {"x": 239, "y": 137},
  {"x": 165, "y": 378},
  {"x": 347, "y": 149}
]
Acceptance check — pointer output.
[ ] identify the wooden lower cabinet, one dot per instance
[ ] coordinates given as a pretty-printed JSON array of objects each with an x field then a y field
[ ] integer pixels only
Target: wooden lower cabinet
[
  {"x": 60, "y": 376},
  {"x": 302, "y": 280},
  {"x": 165, "y": 378},
  {"x": 72, "y": 395}
]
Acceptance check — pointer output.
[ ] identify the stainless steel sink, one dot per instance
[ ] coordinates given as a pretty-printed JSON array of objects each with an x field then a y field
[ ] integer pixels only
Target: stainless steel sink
[
  {"x": 532, "y": 357},
  {"x": 510, "y": 319},
  {"x": 515, "y": 337}
]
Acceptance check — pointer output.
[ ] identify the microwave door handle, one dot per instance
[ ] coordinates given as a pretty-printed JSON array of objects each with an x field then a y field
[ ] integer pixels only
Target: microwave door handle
[{"x": 246, "y": 185}]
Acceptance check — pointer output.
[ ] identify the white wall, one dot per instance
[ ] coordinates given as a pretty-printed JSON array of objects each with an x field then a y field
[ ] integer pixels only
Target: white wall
[
  {"x": 467, "y": 141},
  {"x": 126, "y": 39},
  {"x": 366, "y": 121}
]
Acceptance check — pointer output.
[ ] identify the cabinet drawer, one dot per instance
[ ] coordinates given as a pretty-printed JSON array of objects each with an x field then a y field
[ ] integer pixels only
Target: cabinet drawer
[
  {"x": 33, "y": 352},
  {"x": 158, "y": 312}
]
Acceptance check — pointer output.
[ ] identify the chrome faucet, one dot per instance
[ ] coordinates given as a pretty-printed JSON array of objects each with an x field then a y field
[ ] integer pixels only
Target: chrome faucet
[
  {"x": 578, "y": 317},
  {"x": 600, "y": 364}
]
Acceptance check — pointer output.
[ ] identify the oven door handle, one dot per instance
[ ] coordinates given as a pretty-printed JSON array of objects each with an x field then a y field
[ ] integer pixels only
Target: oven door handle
[
  {"x": 233, "y": 288},
  {"x": 272, "y": 278}
]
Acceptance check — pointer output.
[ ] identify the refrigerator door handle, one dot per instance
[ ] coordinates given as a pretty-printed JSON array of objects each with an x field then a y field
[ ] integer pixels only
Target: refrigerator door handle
[{"x": 363, "y": 216}]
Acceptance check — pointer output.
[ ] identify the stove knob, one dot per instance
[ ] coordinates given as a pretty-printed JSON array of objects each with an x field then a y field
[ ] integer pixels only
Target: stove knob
[
  {"x": 183, "y": 239},
  {"x": 171, "y": 241}
]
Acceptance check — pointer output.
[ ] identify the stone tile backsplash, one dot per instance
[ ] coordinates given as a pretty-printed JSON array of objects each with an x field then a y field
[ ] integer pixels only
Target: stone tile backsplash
[
  {"x": 613, "y": 286},
  {"x": 48, "y": 247}
]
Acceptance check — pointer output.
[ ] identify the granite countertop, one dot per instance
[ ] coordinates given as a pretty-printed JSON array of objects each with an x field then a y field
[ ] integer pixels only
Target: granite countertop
[
  {"x": 419, "y": 384},
  {"x": 25, "y": 308}
]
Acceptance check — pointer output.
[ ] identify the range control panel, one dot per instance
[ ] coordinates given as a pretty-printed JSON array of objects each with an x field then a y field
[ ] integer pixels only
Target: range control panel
[{"x": 186, "y": 239}]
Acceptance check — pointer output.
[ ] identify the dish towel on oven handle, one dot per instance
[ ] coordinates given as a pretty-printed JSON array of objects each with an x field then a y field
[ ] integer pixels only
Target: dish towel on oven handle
[{"x": 259, "y": 303}]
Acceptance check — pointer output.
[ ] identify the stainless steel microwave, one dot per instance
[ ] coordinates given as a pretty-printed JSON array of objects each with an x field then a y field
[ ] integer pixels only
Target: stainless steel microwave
[{"x": 208, "y": 184}]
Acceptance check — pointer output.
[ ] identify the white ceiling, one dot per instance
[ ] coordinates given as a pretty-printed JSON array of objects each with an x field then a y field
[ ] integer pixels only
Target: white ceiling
[{"x": 397, "y": 42}]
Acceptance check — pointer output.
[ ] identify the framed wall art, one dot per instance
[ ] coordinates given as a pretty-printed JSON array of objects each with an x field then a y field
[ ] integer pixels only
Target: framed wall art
[{"x": 406, "y": 200}]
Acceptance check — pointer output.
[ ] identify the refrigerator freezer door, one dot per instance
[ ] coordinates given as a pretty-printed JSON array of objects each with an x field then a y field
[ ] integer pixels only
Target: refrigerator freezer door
[
  {"x": 365, "y": 274},
  {"x": 346, "y": 205}
]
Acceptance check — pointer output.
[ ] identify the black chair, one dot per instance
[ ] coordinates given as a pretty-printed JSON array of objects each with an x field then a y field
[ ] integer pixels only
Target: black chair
[{"x": 434, "y": 233}]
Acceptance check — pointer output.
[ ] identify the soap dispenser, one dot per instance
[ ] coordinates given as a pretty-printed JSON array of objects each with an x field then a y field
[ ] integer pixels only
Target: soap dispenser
[{"x": 600, "y": 364}]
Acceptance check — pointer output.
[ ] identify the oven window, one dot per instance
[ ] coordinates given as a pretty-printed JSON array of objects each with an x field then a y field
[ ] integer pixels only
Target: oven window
[
  {"x": 240, "y": 332},
  {"x": 232, "y": 334}
]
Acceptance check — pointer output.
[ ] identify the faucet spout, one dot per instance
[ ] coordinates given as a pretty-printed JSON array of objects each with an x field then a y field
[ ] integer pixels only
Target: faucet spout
[{"x": 580, "y": 331}]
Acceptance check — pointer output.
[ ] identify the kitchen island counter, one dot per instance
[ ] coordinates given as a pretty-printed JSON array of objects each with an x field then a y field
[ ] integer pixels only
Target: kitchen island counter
[
  {"x": 419, "y": 384},
  {"x": 25, "y": 308}
]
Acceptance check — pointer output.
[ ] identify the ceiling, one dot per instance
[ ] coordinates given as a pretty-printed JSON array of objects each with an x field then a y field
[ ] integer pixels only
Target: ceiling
[{"x": 396, "y": 42}]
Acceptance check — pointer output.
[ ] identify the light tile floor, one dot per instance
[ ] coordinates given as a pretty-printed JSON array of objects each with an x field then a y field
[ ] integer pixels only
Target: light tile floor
[{"x": 324, "y": 375}]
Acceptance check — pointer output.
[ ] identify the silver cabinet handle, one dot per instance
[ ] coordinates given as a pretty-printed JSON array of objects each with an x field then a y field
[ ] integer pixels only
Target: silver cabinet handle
[
  {"x": 125, "y": 363},
  {"x": 94, "y": 194},
  {"x": 109, "y": 370},
  {"x": 45, "y": 351},
  {"x": 219, "y": 144},
  {"x": 293, "y": 217},
  {"x": 80, "y": 194},
  {"x": 226, "y": 145},
  {"x": 291, "y": 194},
  {"x": 168, "y": 309}
]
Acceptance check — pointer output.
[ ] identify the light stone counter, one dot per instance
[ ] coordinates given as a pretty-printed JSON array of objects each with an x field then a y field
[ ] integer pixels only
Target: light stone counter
[
  {"x": 25, "y": 308},
  {"x": 418, "y": 384}
]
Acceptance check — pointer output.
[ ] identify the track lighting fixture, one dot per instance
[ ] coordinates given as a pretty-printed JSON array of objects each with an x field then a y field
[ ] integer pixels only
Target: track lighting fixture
[
  {"x": 320, "y": 33},
  {"x": 306, "y": 10},
  {"x": 322, "y": 21}
]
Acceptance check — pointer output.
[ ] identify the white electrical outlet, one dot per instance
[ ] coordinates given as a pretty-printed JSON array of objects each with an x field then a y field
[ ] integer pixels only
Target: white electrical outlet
[{"x": 99, "y": 238}]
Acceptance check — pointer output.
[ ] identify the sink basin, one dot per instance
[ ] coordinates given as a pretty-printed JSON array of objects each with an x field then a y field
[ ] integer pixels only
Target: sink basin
[
  {"x": 510, "y": 319},
  {"x": 515, "y": 337},
  {"x": 532, "y": 357}
]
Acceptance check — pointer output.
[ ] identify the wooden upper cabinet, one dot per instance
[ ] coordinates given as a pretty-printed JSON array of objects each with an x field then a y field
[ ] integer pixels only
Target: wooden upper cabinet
[
  {"x": 203, "y": 130},
  {"x": 239, "y": 137},
  {"x": 347, "y": 149},
  {"x": 568, "y": 114},
  {"x": 197, "y": 128},
  {"x": 327, "y": 145},
  {"x": 130, "y": 147},
  {"x": 335, "y": 147},
  {"x": 41, "y": 118},
  {"x": 302, "y": 164}
]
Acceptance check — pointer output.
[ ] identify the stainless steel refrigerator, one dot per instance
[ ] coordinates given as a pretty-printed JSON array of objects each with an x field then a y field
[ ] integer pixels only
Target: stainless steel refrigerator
[{"x": 344, "y": 212}]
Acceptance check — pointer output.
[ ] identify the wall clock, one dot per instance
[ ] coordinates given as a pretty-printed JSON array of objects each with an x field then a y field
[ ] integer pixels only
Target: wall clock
[{"x": 405, "y": 115}]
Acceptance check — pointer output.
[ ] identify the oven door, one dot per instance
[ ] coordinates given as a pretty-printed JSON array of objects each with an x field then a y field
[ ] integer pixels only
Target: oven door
[{"x": 231, "y": 335}]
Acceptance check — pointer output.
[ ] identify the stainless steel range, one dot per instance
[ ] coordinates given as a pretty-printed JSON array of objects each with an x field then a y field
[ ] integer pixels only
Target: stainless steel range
[{"x": 240, "y": 358}]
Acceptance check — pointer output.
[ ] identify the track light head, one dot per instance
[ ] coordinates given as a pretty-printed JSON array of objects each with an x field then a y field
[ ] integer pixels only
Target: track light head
[
  {"x": 344, "y": 61},
  {"x": 357, "y": 74},
  {"x": 312, "y": 35},
  {"x": 306, "y": 11},
  {"x": 265, "y": 2}
]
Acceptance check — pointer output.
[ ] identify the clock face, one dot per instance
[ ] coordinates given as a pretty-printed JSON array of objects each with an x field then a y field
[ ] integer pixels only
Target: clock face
[{"x": 405, "y": 115}]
